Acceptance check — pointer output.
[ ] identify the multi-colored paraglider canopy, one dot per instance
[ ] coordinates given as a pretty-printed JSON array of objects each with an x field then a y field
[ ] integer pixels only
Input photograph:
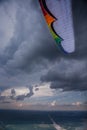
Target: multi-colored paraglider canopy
[{"x": 58, "y": 15}]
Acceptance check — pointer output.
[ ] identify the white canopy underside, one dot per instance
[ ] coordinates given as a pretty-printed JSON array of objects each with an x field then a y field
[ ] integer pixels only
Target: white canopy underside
[{"x": 62, "y": 10}]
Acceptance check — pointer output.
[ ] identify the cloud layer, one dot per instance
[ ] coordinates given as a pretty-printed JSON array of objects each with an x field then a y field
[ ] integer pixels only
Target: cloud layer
[{"x": 28, "y": 54}]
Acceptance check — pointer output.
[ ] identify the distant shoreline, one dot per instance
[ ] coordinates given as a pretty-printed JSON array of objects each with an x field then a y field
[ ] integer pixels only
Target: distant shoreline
[{"x": 20, "y": 110}]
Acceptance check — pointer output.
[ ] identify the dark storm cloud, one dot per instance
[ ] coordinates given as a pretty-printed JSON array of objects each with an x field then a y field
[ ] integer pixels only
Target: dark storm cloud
[
  {"x": 13, "y": 92},
  {"x": 80, "y": 27},
  {"x": 2, "y": 1},
  {"x": 73, "y": 85},
  {"x": 32, "y": 47},
  {"x": 67, "y": 75}
]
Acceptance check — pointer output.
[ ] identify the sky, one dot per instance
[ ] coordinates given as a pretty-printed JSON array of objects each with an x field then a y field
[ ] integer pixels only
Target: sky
[{"x": 32, "y": 69}]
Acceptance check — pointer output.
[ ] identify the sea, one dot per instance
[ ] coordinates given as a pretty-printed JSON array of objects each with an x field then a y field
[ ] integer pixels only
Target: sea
[{"x": 43, "y": 120}]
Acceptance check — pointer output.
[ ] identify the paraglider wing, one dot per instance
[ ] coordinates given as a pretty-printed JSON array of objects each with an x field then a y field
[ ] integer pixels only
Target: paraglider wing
[{"x": 58, "y": 16}]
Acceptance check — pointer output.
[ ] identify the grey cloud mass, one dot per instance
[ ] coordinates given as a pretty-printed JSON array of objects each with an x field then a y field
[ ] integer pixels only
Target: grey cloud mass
[
  {"x": 30, "y": 56},
  {"x": 29, "y": 45},
  {"x": 68, "y": 75},
  {"x": 13, "y": 96}
]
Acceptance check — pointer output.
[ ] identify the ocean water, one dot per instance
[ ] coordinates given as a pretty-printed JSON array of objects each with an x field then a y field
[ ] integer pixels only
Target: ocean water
[{"x": 46, "y": 120}]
